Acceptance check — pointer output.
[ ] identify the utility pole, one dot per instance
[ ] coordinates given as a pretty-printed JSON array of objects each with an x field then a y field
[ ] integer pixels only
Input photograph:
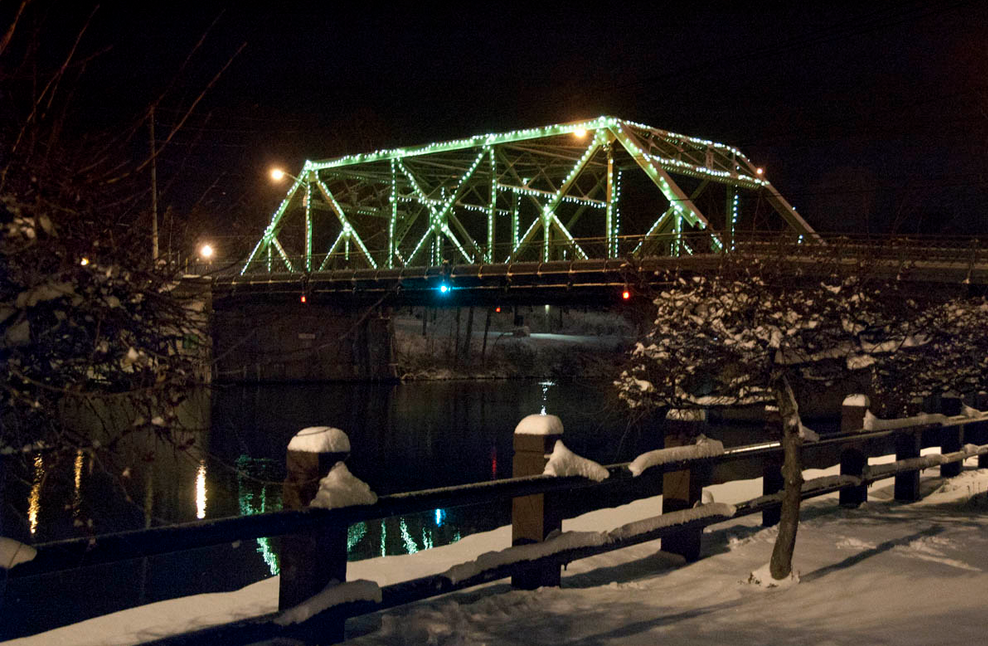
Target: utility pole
[{"x": 154, "y": 193}]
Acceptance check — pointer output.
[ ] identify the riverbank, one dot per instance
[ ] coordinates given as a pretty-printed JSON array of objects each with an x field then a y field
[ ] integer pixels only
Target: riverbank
[{"x": 484, "y": 344}]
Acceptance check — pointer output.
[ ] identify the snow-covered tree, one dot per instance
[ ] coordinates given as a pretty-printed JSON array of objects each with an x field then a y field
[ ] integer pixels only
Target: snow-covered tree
[
  {"x": 90, "y": 325},
  {"x": 755, "y": 329}
]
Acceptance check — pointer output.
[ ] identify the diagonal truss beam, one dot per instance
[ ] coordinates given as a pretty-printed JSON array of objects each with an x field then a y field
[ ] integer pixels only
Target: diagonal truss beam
[
  {"x": 682, "y": 204},
  {"x": 548, "y": 219},
  {"x": 348, "y": 229},
  {"x": 438, "y": 222},
  {"x": 272, "y": 229}
]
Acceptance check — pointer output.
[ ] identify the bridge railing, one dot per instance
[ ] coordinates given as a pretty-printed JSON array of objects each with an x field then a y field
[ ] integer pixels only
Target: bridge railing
[
  {"x": 905, "y": 249},
  {"x": 681, "y": 530}
]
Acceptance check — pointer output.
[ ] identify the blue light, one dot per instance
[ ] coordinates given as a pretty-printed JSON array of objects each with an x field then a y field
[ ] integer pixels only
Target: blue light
[
  {"x": 444, "y": 288},
  {"x": 440, "y": 517}
]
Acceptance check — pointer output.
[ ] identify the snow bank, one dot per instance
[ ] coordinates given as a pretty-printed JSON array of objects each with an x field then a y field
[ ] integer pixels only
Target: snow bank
[
  {"x": 320, "y": 439},
  {"x": 342, "y": 489},
  {"x": 704, "y": 448},
  {"x": 564, "y": 462},
  {"x": 857, "y": 400},
  {"x": 672, "y": 518},
  {"x": 872, "y": 423},
  {"x": 762, "y": 578},
  {"x": 334, "y": 594},
  {"x": 14, "y": 553},
  {"x": 540, "y": 425}
]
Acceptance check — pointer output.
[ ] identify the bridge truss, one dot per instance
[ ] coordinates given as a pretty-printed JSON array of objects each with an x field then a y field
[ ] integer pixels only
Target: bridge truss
[{"x": 595, "y": 189}]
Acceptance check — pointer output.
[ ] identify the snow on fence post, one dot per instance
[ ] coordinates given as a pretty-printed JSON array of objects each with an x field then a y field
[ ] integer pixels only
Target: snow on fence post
[
  {"x": 311, "y": 560},
  {"x": 683, "y": 489},
  {"x": 951, "y": 437},
  {"x": 533, "y": 518},
  {"x": 852, "y": 459}
]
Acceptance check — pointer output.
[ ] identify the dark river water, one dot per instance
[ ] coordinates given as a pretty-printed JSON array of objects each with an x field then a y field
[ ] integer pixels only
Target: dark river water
[{"x": 404, "y": 437}]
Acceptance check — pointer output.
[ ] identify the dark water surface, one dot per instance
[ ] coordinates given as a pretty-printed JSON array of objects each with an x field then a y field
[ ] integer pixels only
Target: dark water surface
[{"x": 404, "y": 437}]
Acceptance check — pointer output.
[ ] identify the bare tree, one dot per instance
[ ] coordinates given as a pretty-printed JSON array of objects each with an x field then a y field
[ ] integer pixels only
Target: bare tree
[{"x": 759, "y": 330}]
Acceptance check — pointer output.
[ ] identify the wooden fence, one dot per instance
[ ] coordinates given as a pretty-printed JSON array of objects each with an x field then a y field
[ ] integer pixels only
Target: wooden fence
[{"x": 538, "y": 550}]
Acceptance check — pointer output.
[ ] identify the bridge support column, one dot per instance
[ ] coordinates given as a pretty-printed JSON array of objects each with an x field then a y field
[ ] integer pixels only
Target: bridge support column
[
  {"x": 533, "y": 518},
  {"x": 311, "y": 560}
]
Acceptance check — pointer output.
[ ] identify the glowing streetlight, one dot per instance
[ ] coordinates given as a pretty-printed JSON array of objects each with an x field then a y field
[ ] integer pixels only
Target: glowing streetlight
[
  {"x": 759, "y": 171},
  {"x": 84, "y": 261},
  {"x": 580, "y": 133},
  {"x": 206, "y": 251},
  {"x": 277, "y": 174}
]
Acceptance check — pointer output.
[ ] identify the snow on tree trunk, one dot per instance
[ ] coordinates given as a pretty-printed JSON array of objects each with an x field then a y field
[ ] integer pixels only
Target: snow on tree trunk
[{"x": 792, "y": 474}]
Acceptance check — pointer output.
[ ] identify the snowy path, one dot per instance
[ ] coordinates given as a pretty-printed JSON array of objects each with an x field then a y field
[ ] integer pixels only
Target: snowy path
[{"x": 882, "y": 574}]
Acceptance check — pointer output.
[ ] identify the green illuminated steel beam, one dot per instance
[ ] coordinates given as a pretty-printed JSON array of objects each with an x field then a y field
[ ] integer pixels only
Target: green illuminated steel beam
[
  {"x": 271, "y": 230},
  {"x": 281, "y": 252},
  {"x": 347, "y": 227},
  {"x": 675, "y": 195},
  {"x": 308, "y": 226},
  {"x": 548, "y": 217}
]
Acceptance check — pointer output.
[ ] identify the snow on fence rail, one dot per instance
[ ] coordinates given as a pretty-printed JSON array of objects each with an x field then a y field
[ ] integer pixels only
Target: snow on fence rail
[{"x": 551, "y": 549}]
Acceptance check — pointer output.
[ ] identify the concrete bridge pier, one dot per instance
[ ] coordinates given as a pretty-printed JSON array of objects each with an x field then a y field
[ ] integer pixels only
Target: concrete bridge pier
[{"x": 268, "y": 342}]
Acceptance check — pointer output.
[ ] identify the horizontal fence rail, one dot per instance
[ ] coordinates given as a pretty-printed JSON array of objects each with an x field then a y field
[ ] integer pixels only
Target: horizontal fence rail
[
  {"x": 937, "y": 430},
  {"x": 108, "y": 548}
]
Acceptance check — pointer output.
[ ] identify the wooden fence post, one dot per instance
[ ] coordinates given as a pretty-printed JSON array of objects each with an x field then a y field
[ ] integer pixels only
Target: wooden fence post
[
  {"x": 533, "y": 518},
  {"x": 951, "y": 437},
  {"x": 852, "y": 459},
  {"x": 311, "y": 560},
  {"x": 682, "y": 490},
  {"x": 981, "y": 403},
  {"x": 772, "y": 482},
  {"x": 907, "y": 445}
]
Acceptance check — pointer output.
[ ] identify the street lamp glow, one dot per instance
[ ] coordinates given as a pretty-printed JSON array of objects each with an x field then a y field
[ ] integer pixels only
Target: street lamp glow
[
  {"x": 206, "y": 251},
  {"x": 84, "y": 261},
  {"x": 759, "y": 171},
  {"x": 580, "y": 133},
  {"x": 277, "y": 174}
]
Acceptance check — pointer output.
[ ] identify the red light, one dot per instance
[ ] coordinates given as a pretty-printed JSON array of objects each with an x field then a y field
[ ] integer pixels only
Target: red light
[
  {"x": 302, "y": 298},
  {"x": 625, "y": 294},
  {"x": 497, "y": 309}
]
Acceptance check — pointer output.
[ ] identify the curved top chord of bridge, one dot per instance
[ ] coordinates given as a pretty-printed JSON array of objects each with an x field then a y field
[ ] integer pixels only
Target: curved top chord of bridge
[
  {"x": 531, "y": 194},
  {"x": 580, "y": 198}
]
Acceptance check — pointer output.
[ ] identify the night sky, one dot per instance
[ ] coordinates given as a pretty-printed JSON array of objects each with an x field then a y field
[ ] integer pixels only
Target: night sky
[{"x": 867, "y": 116}]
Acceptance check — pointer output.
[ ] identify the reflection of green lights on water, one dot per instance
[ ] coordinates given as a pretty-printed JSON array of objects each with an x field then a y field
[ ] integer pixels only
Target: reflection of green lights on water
[
  {"x": 384, "y": 539},
  {"x": 410, "y": 546},
  {"x": 546, "y": 385},
  {"x": 250, "y": 505},
  {"x": 353, "y": 535},
  {"x": 426, "y": 539}
]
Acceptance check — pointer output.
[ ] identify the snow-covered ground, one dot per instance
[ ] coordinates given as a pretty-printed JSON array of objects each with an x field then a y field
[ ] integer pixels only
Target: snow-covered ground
[{"x": 886, "y": 573}]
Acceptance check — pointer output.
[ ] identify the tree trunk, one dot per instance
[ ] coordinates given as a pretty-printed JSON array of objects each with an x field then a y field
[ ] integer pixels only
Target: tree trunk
[{"x": 792, "y": 474}]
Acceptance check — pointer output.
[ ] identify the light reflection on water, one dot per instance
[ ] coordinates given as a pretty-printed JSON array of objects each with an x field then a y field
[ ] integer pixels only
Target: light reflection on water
[
  {"x": 34, "y": 499},
  {"x": 201, "y": 490}
]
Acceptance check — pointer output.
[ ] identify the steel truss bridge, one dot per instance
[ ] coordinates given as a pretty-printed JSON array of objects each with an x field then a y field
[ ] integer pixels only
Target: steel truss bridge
[{"x": 590, "y": 190}]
